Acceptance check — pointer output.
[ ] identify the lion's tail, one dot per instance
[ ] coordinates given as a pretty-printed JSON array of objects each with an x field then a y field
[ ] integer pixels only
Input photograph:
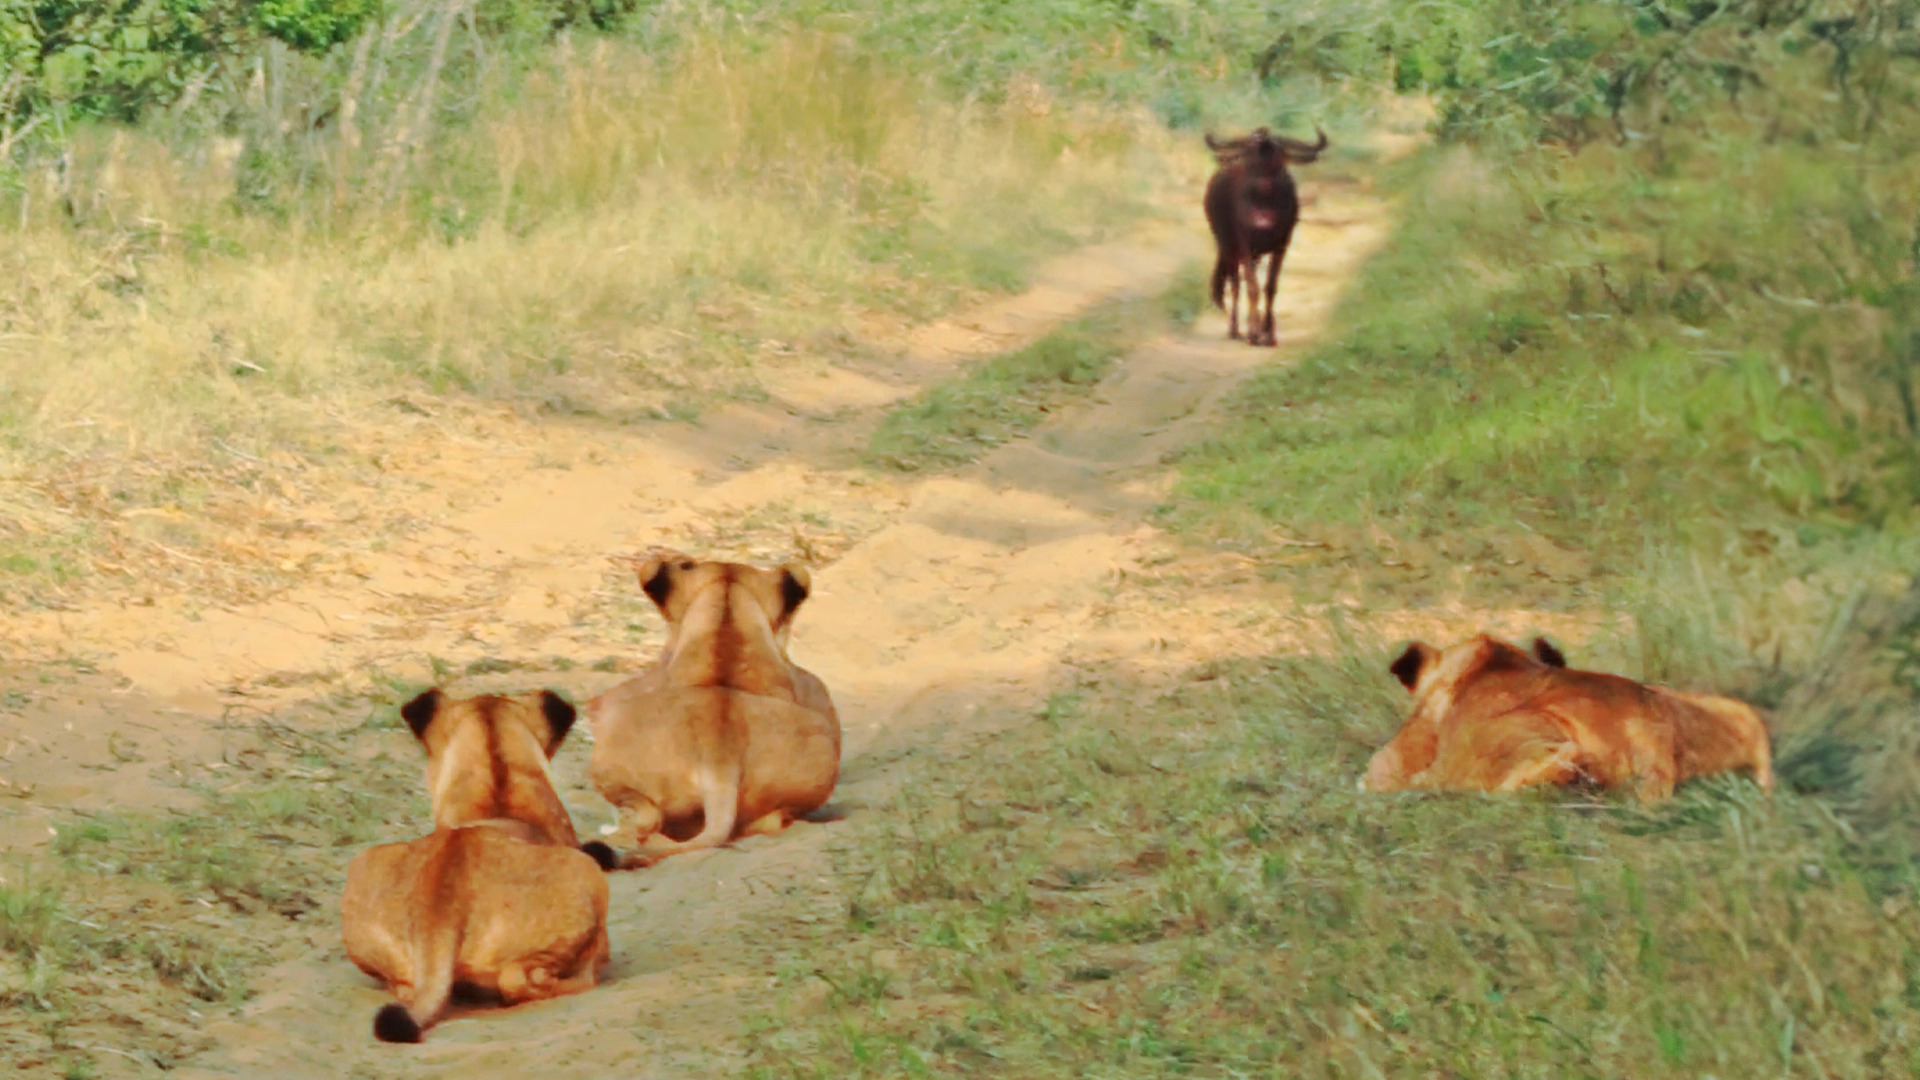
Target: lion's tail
[{"x": 433, "y": 961}]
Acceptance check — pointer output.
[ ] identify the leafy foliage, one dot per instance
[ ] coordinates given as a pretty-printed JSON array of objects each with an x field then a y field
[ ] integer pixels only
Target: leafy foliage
[
  {"x": 1580, "y": 70},
  {"x": 313, "y": 25},
  {"x": 117, "y": 60}
]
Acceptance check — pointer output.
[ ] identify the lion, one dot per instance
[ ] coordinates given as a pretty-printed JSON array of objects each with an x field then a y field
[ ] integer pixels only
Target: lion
[
  {"x": 724, "y": 736},
  {"x": 1714, "y": 734},
  {"x": 1488, "y": 716},
  {"x": 500, "y": 898}
]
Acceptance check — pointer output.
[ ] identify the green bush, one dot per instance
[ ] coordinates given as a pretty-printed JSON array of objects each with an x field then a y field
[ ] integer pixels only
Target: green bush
[{"x": 116, "y": 61}]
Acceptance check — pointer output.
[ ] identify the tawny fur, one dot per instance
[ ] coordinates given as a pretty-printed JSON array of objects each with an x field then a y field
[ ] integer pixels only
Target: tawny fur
[
  {"x": 1488, "y": 716},
  {"x": 498, "y": 899},
  {"x": 1719, "y": 734},
  {"x": 723, "y": 736},
  {"x": 1713, "y": 734},
  {"x": 1484, "y": 700}
]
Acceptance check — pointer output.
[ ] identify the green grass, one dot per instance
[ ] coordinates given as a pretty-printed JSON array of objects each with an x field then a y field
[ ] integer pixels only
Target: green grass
[
  {"x": 954, "y": 422},
  {"x": 1186, "y": 883},
  {"x": 130, "y": 914},
  {"x": 60, "y": 931},
  {"x": 1669, "y": 377},
  {"x": 251, "y": 850},
  {"x": 1469, "y": 400},
  {"x": 1700, "y": 337},
  {"x": 1660, "y": 366}
]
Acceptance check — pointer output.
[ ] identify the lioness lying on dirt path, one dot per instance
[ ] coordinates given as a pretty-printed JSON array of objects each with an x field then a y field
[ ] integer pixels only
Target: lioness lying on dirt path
[
  {"x": 723, "y": 736},
  {"x": 1487, "y": 716},
  {"x": 498, "y": 898}
]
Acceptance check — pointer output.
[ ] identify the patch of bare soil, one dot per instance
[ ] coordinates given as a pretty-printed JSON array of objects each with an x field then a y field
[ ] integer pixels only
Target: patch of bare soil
[{"x": 487, "y": 556}]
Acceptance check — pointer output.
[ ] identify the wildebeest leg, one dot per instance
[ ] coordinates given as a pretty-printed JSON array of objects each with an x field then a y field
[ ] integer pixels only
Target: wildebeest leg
[
  {"x": 1248, "y": 275},
  {"x": 1269, "y": 336},
  {"x": 1256, "y": 320},
  {"x": 1233, "y": 299}
]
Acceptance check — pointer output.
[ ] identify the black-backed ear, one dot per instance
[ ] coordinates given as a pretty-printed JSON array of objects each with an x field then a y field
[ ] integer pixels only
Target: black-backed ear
[
  {"x": 656, "y": 580},
  {"x": 560, "y": 715},
  {"x": 1407, "y": 667},
  {"x": 795, "y": 586},
  {"x": 1544, "y": 652},
  {"x": 420, "y": 712}
]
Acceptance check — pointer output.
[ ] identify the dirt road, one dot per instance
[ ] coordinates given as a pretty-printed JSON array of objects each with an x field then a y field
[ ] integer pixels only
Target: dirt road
[{"x": 941, "y": 604}]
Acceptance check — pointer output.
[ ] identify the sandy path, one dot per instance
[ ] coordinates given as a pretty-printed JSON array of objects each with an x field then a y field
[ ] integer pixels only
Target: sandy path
[{"x": 936, "y": 600}]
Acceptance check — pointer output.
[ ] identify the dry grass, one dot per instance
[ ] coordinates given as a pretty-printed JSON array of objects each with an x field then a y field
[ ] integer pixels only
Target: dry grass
[{"x": 613, "y": 234}]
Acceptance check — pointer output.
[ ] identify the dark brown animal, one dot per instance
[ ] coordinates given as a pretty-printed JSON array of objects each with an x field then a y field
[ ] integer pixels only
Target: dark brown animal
[{"x": 1252, "y": 207}]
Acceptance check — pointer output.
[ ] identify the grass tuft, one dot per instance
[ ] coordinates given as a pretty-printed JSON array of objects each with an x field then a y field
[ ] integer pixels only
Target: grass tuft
[
  {"x": 954, "y": 422},
  {"x": 616, "y": 233},
  {"x": 193, "y": 897}
]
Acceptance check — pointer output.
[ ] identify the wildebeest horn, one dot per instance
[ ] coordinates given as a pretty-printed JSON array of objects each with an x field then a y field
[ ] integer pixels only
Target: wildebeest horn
[
  {"x": 1229, "y": 151},
  {"x": 1299, "y": 152}
]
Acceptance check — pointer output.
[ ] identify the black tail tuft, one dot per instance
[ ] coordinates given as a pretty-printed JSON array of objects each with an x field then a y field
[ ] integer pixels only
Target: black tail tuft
[
  {"x": 393, "y": 1023},
  {"x": 602, "y": 854}
]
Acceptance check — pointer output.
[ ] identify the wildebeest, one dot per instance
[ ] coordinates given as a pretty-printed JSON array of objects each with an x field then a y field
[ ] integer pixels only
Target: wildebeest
[{"x": 1252, "y": 207}]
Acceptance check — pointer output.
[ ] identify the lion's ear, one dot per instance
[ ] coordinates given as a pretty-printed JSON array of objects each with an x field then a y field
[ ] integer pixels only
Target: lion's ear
[
  {"x": 656, "y": 580},
  {"x": 419, "y": 712},
  {"x": 560, "y": 715},
  {"x": 1544, "y": 651},
  {"x": 1407, "y": 667},
  {"x": 795, "y": 586}
]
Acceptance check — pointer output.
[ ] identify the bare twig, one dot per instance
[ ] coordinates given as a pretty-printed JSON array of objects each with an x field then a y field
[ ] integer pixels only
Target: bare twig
[
  {"x": 7, "y": 139},
  {"x": 419, "y": 121},
  {"x": 194, "y": 89},
  {"x": 242, "y": 454},
  {"x": 1793, "y": 301},
  {"x": 349, "y": 109},
  {"x": 164, "y": 549}
]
